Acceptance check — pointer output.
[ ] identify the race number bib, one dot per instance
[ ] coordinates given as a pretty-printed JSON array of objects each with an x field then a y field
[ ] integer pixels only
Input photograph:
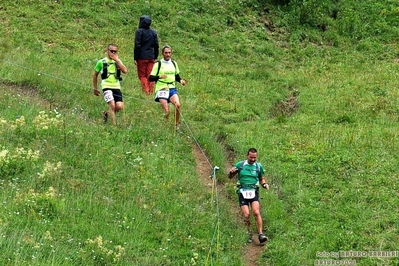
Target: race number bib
[
  {"x": 163, "y": 94},
  {"x": 247, "y": 193},
  {"x": 108, "y": 96}
]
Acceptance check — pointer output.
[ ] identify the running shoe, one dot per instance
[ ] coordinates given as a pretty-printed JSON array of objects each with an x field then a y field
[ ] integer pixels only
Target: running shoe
[{"x": 262, "y": 238}]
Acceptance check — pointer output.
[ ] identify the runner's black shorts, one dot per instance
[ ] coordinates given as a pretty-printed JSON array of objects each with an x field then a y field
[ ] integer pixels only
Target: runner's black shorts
[
  {"x": 116, "y": 93},
  {"x": 247, "y": 202}
]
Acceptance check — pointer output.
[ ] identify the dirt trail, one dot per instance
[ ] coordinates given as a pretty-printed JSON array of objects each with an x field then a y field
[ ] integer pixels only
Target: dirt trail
[{"x": 251, "y": 252}]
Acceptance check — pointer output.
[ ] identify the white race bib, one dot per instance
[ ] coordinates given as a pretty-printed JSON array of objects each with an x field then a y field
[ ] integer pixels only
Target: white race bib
[
  {"x": 247, "y": 193},
  {"x": 108, "y": 96},
  {"x": 162, "y": 94}
]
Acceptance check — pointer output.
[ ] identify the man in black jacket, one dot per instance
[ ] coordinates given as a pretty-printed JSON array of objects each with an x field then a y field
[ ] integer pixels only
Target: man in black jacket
[{"x": 146, "y": 50}]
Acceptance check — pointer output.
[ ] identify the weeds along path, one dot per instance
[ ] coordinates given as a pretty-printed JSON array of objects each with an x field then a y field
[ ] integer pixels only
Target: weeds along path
[{"x": 252, "y": 251}]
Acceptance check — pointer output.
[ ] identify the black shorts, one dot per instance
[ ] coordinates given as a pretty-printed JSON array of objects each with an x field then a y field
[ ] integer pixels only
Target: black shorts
[
  {"x": 247, "y": 202},
  {"x": 116, "y": 93}
]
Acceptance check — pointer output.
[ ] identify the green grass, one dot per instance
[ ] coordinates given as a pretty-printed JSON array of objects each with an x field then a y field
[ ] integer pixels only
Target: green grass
[{"x": 309, "y": 84}]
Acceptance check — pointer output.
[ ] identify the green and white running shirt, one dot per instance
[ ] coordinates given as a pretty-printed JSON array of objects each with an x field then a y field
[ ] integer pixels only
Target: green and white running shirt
[{"x": 249, "y": 176}]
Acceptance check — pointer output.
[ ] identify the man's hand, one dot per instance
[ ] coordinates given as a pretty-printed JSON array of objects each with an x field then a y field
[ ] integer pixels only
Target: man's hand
[
  {"x": 265, "y": 186},
  {"x": 96, "y": 92},
  {"x": 113, "y": 56},
  {"x": 232, "y": 172}
]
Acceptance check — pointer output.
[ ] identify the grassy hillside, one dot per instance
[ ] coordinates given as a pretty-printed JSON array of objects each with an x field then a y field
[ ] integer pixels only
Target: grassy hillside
[{"x": 310, "y": 84}]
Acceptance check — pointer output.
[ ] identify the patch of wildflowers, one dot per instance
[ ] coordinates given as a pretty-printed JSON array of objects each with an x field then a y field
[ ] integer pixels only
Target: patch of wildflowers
[
  {"x": 96, "y": 251},
  {"x": 13, "y": 162},
  {"x": 51, "y": 170},
  {"x": 20, "y": 121},
  {"x": 41, "y": 205},
  {"x": 44, "y": 121}
]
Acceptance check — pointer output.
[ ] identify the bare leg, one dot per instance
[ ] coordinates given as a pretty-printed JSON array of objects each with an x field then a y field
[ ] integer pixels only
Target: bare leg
[
  {"x": 165, "y": 108},
  {"x": 247, "y": 220},
  {"x": 258, "y": 218},
  {"x": 111, "y": 112},
  {"x": 176, "y": 102},
  {"x": 118, "y": 107}
]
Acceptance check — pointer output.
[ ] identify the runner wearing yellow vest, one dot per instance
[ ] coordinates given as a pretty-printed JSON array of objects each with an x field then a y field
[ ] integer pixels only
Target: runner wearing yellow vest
[
  {"x": 110, "y": 68},
  {"x": 165, "y": 87}
]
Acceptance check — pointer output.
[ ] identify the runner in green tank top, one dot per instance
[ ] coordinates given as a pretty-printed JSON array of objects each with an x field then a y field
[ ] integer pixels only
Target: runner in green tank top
[{"x": 250, "y": 175}]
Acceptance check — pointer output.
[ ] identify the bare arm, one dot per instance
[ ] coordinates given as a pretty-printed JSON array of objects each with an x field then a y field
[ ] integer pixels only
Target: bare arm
[{"x": 95, "y": 85}]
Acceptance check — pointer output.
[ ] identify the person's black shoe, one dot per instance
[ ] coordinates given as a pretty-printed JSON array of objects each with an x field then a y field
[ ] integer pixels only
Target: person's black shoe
[
  {"x": 105, "y": 116},
  {"x": 262, "y": 238}
]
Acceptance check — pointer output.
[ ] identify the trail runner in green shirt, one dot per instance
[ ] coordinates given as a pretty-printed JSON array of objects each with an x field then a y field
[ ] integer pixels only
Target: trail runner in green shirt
[{"x": 250, "y": 175}]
